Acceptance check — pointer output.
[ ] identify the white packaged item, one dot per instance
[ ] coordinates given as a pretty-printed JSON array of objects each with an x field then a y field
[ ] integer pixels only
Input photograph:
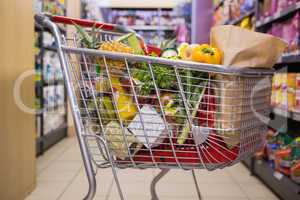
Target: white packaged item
[{"x": 148, "y": 127}]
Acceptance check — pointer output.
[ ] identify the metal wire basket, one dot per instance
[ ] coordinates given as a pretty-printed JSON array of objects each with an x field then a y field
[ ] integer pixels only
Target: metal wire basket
[{"x": 148, "y": 112}]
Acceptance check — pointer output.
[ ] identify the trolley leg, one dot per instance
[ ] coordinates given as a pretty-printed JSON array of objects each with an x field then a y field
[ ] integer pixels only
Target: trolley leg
[
  {"x": 113, "y": 168},
  {"x": 156, "y": 179},
  {"x": 88, "y": 169},
  {"x": 114, "y": 171},
  {"x": 196, "y": 185}
]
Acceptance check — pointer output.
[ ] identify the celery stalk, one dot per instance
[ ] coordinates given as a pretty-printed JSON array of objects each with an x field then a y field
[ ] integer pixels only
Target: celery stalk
[{"x": 186, "y": 129}]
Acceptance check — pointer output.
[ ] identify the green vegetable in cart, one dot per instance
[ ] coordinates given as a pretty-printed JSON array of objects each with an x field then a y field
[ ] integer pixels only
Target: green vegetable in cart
[
  {"x": 169, "y": 53},
  {"x": 164, "y": 77},
  {"x": 132, "y": 41},
  {"x": 187, "y": 128}
]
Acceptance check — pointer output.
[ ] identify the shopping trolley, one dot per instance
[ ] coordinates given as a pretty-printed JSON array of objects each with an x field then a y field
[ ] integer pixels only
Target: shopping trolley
[{"x": 142, "y": 111}]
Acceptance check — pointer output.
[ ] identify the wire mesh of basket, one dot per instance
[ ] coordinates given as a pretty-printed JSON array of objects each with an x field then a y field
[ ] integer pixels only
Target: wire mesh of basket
[{"x": 161, "y": 113}]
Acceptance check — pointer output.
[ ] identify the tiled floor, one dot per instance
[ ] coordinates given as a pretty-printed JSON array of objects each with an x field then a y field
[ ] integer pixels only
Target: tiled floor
[{"x": 60, "y": 175}]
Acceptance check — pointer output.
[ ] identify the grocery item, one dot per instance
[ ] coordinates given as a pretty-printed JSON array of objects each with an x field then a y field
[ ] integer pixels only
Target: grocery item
[
  {"x": 229, "y": 108},
  {"x": 206, "y": 54},
  {"x": 164, "y": 75},
  {"x": 125, "y": 105},
  {"x": 187, "y": 129},
  {"x": 117, "y": 141},
  {"x": 148, "y": 123},
  {"x": 246, "y": 23},
  {"x": 283, "y": 161},
  {"x": 132, "y": 41},
  {"x": 169, "y": 53},
  {"x": 256, "y": 50},
  {"x": 295, "y": 172},
  {"x": 116, "y": 46},
  {"x": 185, "y": 51}
]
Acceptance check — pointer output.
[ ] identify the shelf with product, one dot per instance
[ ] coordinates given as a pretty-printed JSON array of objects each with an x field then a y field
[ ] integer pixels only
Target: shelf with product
[
  {"x": 51, "y": 117},
  {"x": 241, "y": 13},
  {"x": 280, "y": 18},
  {"x": 275, "y": 12},
  {"x": 280, "y": 184}
]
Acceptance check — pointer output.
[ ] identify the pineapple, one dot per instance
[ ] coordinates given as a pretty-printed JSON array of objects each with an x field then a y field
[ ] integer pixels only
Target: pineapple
[
  {"x": 119, "y": 47},
  {"x": 92, "y": 41}
]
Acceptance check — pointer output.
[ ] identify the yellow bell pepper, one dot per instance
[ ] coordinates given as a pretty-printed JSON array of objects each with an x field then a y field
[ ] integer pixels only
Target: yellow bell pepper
[
  {"x": 206, "y": 54},
  {"x": 127, "y": 109}
]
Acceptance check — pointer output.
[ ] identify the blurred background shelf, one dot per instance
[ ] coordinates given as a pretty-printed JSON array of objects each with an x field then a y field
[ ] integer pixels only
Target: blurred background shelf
[
  {"x": 236, "y": 22},
  {"x": 50, "y": 91},
  {"x": 141, "y": 4},
  {"x": 281, "y": 185},
  {"x": 152, "y": 28},
  {"x": 278, "y": 16}
]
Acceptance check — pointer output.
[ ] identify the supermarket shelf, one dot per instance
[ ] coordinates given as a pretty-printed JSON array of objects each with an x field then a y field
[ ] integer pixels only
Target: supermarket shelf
[
  {"x": 289, "y": 59},
  {"x": 153, "y": 4},
  {"x": 237, "y": 21},
  {"x": 54, "y": 136},
  {"x": 287, "y": 114},
  {"x": 45, "y": 142},
  {"x": 282, "y": 185},
  {"x": 39, "y": 146},
  {"x": 57, "y": 82},
  {"x": 39, "y": 28},
  {"x": 219, "y": 5},
  {"x": 55, "y": 107},
  {"x": 39, "y": 84},
  {"x": 50, "y": 48},
  {"x": 268, "y": 20},
  {"x": 152, "y": 28},
  {"x": 282, "y": 112}
]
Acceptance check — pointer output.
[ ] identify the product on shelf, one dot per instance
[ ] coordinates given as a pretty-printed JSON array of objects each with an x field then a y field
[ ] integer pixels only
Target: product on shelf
[
  {"x": 55, "y": 7},
  {"x": 51, "y": 69},
  {"x": 295, "y": 172},
  {"x": 53, "y": 121},
  {"x": 274, "y": 7},
  {"x": 285, "y": 91},
  {"x": 231, "y": 10},
  {"x": 289, "y": 31},
  {"x": 282, "y": 152}
]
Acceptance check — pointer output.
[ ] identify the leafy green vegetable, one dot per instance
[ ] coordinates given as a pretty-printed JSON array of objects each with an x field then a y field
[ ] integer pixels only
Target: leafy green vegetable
[{"x": 164, "y": 77}]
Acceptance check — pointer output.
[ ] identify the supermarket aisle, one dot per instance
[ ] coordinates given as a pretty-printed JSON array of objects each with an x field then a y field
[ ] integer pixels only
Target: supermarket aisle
[{"x": 61, "y": 176}]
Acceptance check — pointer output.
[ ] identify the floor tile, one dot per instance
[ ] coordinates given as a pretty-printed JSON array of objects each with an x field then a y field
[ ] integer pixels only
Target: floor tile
[
  {"x": 61, "y": 175},
  {"x": 225, "y": 198},
  {"x": 79, "y": 188},
  {"x": 225, "y": 190},
  {"x": 241, "y": 174},
  {"x": 49, "y": 189},
  {"x": 255, "y": 191},
  {"x": 50, "y": 155},
  {"x": 57, "y": 175},
  {"x": 72, "y": 154}
]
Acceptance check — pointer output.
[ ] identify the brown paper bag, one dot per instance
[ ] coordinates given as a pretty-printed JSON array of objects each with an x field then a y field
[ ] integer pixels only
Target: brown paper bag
[{"x": 244, "y": 48}]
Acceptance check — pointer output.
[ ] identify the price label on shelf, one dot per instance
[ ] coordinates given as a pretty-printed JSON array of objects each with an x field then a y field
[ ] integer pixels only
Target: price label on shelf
[
  {"x": 267, "y": 19},
  {"x": 296, "y": 116},
  {"x": 285, "y": 113},
  {"x": 278, "y": 175},
  {"x": 259, "y": 162},
  {"x": 277, "y": 15}
]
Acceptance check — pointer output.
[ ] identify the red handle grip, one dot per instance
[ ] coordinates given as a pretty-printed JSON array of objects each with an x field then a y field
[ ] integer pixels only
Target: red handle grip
[{"x": 81, "y": 22}]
